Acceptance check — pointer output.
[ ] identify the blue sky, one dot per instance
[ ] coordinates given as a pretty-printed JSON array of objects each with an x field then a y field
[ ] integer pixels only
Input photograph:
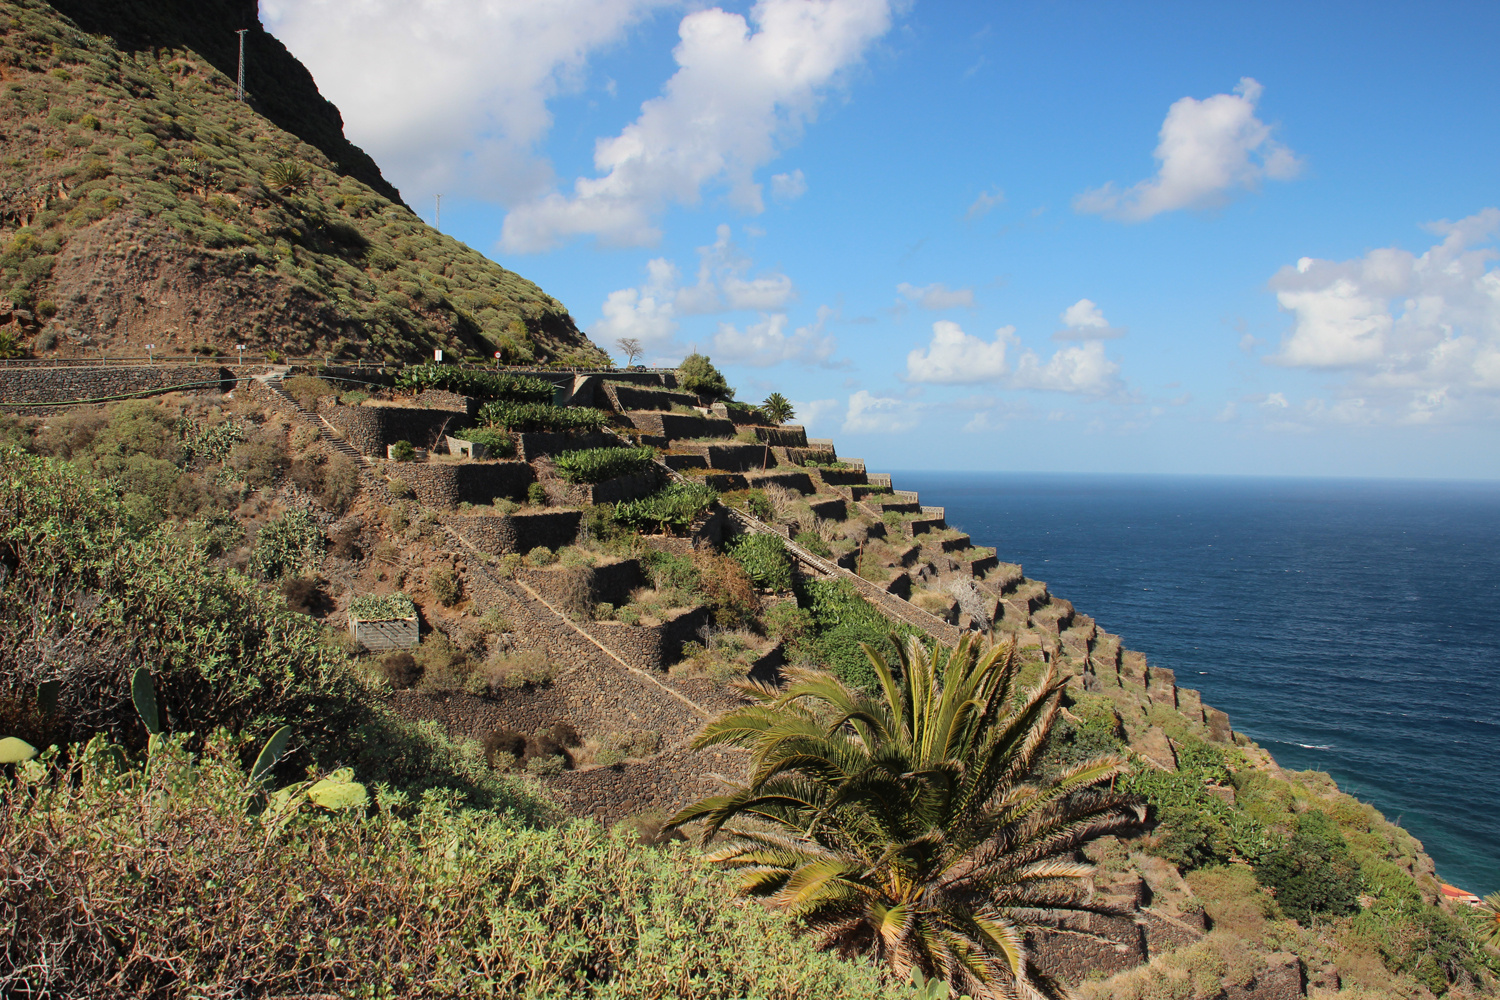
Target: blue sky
[{"x": 1185, "y": 238}]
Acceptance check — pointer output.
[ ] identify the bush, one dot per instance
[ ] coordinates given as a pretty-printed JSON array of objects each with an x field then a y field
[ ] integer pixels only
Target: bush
[
  {"x": 673, "y": 507},
  {"x": 536, "y": 495},
  {"x": 630, "y": 743},
  {"x": 571, "y": 911},
  {"x": 813, "y": 542},
  {"x": 304, "y": 594},
  {"x": 541, "y": 556},
  {"x": 697, "y": 375},
  {"x": 542, "y": 417},
  {"x": 400, "y": 669},
  {"x": 292, "y": 543},
  {"x": 307, "y": 390},
  {"x": 381, "y": 608},
  {"x": 403, "y": 451},
  {"x": 765, "y": 558},
  {"x": 445, "y": 586},
  {"x": 841, "y": 621},
  {"x": 528, "y": 669},
  {"x": 1314, "y": 872},
  {"x": 730, "y": 590},
  {"x": 595, "y": 465}
]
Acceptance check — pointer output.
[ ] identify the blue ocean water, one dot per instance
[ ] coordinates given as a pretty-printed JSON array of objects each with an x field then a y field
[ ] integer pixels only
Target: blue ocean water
[{"x": 1348, "y": 626}]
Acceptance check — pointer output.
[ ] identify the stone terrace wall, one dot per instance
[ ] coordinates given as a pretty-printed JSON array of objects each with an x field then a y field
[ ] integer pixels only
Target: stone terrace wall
[
  {"x": 370, "y": 429},
  {"x": 448, "y": 484},
  {"x": 73, "y": 383},
  {"x": 651, "y": 647},
  {"x": 608, "y": 583},
  {"x": 520, "y": 532},
  {"x": 534, "y": 444}
]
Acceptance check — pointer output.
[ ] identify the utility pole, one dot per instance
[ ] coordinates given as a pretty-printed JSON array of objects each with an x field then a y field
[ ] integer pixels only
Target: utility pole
[
  {"x": 239, "y": 86},
  {"x": 437, "y": 219}
]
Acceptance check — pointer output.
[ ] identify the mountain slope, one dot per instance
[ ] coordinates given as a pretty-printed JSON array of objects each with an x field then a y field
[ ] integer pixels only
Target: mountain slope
[{"x": 141, "y": 203}]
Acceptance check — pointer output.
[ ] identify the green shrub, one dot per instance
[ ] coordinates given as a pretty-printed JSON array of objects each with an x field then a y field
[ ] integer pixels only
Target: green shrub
[
  {"x": 765, "y": 558},
  {"x": 673, "y": 507},
  {"x": 595, "y": 465},
  {"x": 403, "y": 451},
  {"x": 307, "y": 390},
  {"x": 445, "y": 586},
  {"x": 1313, "y": 872},
  {"x": 291, "y": 544},
  {"x": 813, "y": 542},
  {"x": 536, "y": 494},
  {"x": 841, "y": 621},
  {"x": 525, "y": 417},
  {"x": 541, "y": 556},
  {"x": 383, "y": 607},
  {"x": 697, "y": 375},
  {"x": 668, "y": 570}
]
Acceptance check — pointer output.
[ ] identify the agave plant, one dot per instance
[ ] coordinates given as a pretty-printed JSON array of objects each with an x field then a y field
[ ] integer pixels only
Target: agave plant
[
  {"x": 909, "y": 823},
  {"x": 1491, "y": 911},
  {"x": 287, "y": 176}
]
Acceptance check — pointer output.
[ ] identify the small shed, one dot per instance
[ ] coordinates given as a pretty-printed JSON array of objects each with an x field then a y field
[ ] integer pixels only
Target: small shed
[{"x": 381, "y": 623}]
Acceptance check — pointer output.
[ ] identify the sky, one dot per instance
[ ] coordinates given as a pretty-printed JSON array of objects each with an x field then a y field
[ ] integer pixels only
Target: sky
[{"x": 1057, "y": 237}]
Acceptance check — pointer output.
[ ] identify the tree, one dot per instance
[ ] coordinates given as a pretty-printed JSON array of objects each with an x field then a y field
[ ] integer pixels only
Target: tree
[
  {"x": 631, "y": 348},
  {"x": 697, "y": 375},
  {"x": 778, "y": 408},
  {"x": 909, "y": 822}
]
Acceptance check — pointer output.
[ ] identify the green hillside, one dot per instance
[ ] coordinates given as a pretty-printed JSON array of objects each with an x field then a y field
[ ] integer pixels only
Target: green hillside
[{"x": 141, "y": 203}]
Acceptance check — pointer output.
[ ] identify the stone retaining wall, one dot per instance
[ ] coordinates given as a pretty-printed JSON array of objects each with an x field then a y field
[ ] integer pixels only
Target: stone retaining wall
[
  {"x": 786, "y": 436},
  {"x": 519, "y": 532},
  {"x": 680, "y": 426},
  {"x": 28, "y": 387},
  {"x": 651, "y": 647},
  {"x": 371, "y": 429},
  {"x": 447, "y": 484},
  {"x": 617, "y": 490},
  {"x": 531, "y": 445}
]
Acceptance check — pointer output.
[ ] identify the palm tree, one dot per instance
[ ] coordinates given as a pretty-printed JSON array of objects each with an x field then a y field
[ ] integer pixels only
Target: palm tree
[
  {"x": 778, "y": 408},
  {"x": 908, "y": 823},
  {"x": 1491, "y": 911}
]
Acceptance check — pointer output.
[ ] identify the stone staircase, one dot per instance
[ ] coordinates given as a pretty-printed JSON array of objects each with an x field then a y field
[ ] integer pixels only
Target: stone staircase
[{"x": 272, "y": 382}]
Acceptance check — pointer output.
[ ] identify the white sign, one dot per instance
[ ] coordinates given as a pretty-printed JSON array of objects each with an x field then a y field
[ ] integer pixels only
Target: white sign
[
  {"x": 497, "y": 355},
  {"x": 437, "y": 356}
]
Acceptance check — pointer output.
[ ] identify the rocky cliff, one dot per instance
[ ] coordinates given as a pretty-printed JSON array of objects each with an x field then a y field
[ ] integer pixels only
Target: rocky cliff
[{"x": 140, "y": 202}]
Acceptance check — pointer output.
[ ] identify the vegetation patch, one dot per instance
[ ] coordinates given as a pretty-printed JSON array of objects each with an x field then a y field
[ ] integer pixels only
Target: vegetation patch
[{"x": 595, "y": 465}]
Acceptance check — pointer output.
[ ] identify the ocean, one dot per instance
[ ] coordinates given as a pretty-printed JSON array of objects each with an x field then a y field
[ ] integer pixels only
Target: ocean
[{"x": 1347, "y": 626}]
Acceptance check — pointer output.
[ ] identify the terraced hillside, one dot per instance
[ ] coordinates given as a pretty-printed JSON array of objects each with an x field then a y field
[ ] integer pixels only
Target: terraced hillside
[
  {"x": 584, "y": 631},
  {"x": 141, "y": 203}
]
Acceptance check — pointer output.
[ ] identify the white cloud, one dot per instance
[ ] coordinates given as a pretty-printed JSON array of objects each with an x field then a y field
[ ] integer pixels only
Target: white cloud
[
  {"x": 646, "y": 313},
  {"x": 1083, "y": 320},
  {"x": 813, "y": 412},
  {"x": 767, "y": 343},
  {"x": 724, "y": 283},
  {"x": 1083, "y": 369},
  {"x": 447, "y": 95},
  {"x": 954, "y": 357},
  {"x": 1418, "y": 337},
  {"x": 1229, "y": 414},
  {"x": 1207, "y": 150},
  {"x": 871, "y": 414},
  {"x": 737, "y": 97},
  {"x": 937, "y": 296},
  {"x": 788, "y": 187},
  {"x": 985, "y": 203}
]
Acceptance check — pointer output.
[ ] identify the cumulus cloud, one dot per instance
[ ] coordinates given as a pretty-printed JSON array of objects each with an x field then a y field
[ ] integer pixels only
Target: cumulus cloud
[
  {"x": 767, "y": 343},
  {"x": 985, "y": 203},
  {"x": 812, "y": 413},
  {"x": 955, "y": 357},
  {"x": 872, "y": 414},
  {"x": 1416, "y": 336},
  {"x": 724, "y": 283},
  {"x": 788, "y": 187},
  {"x": 448, "y": 95},
  {"x": 738, "y": 95},
  {"x": 1084, "y": 369},
  {"x": 647, "y": 313},
  {"x": 937, "y": 296},
  {"x": 1207, "y": 150},
  {"x": 1083, "y": 320}
]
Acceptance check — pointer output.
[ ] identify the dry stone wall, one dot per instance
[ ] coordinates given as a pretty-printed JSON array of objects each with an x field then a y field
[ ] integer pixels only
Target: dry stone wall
[
  {"x": 519, "y": 532},
  {"x": 371, "y": 429},
  {"x": 445, "y": 485},
  {"x": 26, "y": 388}
]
